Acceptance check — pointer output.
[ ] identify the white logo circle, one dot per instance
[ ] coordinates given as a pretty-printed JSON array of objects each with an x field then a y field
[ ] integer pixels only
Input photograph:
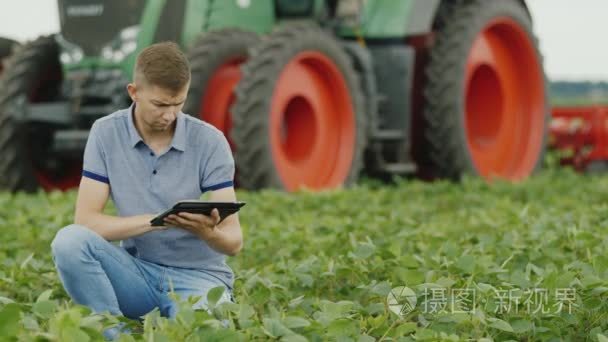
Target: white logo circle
[
  {"x": 401, "y": 300},
  {"x": 243, "y": 3}
]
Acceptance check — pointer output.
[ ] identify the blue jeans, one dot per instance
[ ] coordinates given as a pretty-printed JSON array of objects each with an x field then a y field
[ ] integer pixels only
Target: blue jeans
[{"x": 106, "y": 278}]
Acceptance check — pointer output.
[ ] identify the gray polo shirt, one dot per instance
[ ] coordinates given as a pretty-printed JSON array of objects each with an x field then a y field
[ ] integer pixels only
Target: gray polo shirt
[{"x": 142, "y": 182}]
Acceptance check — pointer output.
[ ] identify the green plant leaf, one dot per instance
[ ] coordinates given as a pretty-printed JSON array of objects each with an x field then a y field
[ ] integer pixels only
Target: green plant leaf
[
  {"x": 45, "y": 308},
  {"x": 522, "y": 326},
  {"x": 4, "y": 300},
  {"x": 9, "y": 320},
  {"x": 73, "y": 334},
  {"x": 274, "y": 328},
  {"x": 45, "y": 296},
  {"x": 294, "y": 338},
  {"x": 293, "y": 322},
  {"x": 500, "y": 325},
  {"x": 214, "y": 295}
]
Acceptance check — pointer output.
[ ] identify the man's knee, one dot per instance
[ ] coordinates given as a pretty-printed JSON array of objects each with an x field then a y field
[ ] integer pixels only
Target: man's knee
[{"x": 72, "y": 240}]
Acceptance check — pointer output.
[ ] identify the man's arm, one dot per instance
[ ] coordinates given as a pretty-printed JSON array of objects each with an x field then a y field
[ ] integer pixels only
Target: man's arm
[
  {"x": 92, "y": 198},
  {"x": 229, "y": 238},
  {"x": 226, "y": 237}
]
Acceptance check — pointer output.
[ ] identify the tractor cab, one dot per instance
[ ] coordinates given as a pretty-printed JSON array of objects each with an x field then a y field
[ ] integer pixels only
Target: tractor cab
[{"x": 106, "y": 29}]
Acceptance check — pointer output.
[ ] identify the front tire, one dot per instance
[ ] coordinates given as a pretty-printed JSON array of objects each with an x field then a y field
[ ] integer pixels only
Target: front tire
[{"x": 33, "y": 74}]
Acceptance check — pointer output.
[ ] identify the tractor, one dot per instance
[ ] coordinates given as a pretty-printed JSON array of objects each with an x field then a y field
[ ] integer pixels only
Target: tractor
[
  {"x": 309, "y": 93},
  {"x": 6, "y": 48}
]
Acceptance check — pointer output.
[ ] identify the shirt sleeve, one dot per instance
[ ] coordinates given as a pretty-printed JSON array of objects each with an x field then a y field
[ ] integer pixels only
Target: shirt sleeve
[
  {"x": 94, "y": 160},
  {"x": 219, "y": 171}
]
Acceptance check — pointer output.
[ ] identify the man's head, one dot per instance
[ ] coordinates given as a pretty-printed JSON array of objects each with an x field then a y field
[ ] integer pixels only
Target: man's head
[{"x": 161, "y": 78}]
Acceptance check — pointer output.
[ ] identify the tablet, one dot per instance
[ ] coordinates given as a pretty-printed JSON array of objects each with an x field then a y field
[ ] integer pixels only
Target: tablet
[{"x": 199, "y": 207}]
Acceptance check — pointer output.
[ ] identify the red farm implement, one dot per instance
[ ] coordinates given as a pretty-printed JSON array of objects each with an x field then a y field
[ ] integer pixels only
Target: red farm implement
[{"x": 581, "y": 133}]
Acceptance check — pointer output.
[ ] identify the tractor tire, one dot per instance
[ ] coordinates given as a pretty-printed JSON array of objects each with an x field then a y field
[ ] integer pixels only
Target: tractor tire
[
  {"x": 6, "y": 49},
  {"x": 33, "y": 74},
  {"x": 485, "y": 99},
  {"x": 215, "y": 59},
  {"x": 299, "y": 116}
]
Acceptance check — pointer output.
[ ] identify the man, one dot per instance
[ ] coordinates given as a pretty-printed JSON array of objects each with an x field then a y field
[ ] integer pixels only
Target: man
[{"x": 147, "y": 157}]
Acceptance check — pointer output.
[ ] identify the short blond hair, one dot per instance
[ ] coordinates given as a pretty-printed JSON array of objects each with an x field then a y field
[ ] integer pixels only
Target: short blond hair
[{"x": 163, "y": 65}]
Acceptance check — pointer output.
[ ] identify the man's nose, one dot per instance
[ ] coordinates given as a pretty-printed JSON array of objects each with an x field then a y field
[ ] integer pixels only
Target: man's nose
[{"x": 170, "y": 114}]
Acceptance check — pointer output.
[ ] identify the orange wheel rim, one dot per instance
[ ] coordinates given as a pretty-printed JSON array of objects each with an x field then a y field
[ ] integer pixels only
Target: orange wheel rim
[
  {"x": 505, "y": 101},
  {"x": 312, "y": 124},
  {"x": 218, "y": 97}
]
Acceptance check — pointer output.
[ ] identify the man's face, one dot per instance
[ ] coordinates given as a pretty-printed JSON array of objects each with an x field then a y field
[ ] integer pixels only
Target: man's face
[{"x": 157, "y": 107}]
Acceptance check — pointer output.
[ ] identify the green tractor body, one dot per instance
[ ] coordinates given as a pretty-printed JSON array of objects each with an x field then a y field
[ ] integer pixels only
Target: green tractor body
[
  {"x": 310, "y": 93},
  {"x": 126, "y": 28}
]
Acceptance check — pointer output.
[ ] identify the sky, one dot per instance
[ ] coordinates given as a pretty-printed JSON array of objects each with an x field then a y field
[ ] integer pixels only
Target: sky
[{"x": 573, "y": 34}]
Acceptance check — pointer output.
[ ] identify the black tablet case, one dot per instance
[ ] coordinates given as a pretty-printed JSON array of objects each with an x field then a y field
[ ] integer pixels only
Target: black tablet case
[{"x": 225, "y": 208}]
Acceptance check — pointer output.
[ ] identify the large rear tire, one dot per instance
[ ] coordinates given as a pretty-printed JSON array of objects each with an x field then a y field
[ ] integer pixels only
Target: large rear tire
[
  {"x": 299, "y": 117},
  {"x": 216, "y": 58},
  {"x": 486, "y": 109},
  {"x": 33, "y": 74}
]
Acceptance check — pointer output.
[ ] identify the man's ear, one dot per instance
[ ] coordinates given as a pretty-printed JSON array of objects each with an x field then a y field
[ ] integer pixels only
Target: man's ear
[{"x": 132, "y": 90}]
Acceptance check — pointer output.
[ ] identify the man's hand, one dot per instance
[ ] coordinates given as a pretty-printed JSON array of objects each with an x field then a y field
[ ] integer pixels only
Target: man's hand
[
  {"x": 203, "y": 226},
  {"x": 148, "y": 218},
  {"x": 225, "y": 237}
]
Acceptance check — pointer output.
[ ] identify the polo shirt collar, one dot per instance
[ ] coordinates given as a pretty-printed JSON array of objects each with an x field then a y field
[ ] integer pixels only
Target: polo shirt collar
[
  {"x": 179, "y": 136},
  {"x": 134, "y": 136}
]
